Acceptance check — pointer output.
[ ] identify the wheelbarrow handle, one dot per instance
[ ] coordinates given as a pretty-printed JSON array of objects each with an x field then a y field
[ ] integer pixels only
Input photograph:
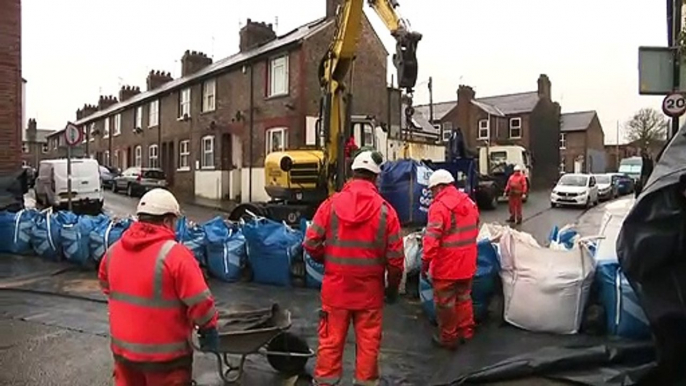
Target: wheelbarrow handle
[{"x": 308, "y": 354}]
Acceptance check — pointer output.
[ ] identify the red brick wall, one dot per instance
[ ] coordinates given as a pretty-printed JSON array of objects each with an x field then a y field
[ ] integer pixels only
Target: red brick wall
[{"x": 10, "y": 85}]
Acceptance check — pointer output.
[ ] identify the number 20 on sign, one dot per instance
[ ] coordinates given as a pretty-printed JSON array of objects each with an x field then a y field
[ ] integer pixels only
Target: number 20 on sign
[{"x": 674, "y": 105}]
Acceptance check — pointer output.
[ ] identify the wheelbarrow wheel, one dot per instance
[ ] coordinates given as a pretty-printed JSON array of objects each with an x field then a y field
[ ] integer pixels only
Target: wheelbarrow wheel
[{"x": 288, "y": 343}]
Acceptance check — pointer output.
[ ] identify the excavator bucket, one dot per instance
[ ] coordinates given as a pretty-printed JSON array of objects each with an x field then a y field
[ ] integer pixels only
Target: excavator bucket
[{"x": 405, "y": 59}]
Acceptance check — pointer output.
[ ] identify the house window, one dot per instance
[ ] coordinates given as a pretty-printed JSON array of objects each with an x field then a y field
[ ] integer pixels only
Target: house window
[
  {"x": 106, "y": 130},
  {"x": 516, "y": 128},
  {"x": 91, "y": 132},
  {"x": 117, "y": 159},
  {"x": 54, "y": 143},
  {"x": 84, "y": 134},
  {"x": 154, "y": 113},
  {"x": 207, "y": 152},
  {"x": 24, "y": 163},
  {"x": 446, "y": 130},
  {"x": 152, "y": 157},
  {"x": 185, "y": 103},
  {"x": 277, "y": 140},
  {"x": 24, "y": 147},
  {"x": 106, "y": 158},
  {"x": 184, "y": 154},
  {"x": 138, "y": 124},
  {"x": 484, "y": 129},
  {"x": 117, "y": 125},
  {"x": 563, "y": 141},
  {"x": 44, "y": 148},
  {"x": 138, "y": 156},
  {"x": 278, "y": 76},
  {"x": 208, "y": 92}
]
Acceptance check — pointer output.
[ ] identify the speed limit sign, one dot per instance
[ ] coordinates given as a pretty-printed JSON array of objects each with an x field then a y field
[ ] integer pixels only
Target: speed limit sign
[{"x": 674, "y": 105}]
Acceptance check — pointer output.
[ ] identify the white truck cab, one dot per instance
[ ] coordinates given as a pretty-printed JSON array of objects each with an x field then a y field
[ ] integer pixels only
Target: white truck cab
[{"x": 515, "y": 155}]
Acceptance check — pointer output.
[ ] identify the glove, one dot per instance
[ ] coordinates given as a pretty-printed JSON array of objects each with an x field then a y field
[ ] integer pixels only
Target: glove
[
  {"x": 425, "y": 268},
  {"x": 209, "y": 339},
  {"x": 391, "y": 295}
]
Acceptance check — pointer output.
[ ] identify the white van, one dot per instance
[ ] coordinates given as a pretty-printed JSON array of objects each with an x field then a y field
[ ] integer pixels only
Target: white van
[{"x": 86, "y": 189}]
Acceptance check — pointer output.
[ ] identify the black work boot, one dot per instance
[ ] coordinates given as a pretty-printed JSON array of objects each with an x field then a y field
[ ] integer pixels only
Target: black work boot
[
  {"x": 519, "y": 221},
  {"x": 511, "y": 219},
  {"x": 438, "y": 342}
]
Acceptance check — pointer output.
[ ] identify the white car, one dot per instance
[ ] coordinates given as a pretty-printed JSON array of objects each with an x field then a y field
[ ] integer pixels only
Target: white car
[{"x": 575, "y": 189}]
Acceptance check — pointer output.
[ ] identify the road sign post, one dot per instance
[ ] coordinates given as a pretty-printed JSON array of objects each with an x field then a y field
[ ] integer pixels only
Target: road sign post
[{"x": 72, "y": 137}]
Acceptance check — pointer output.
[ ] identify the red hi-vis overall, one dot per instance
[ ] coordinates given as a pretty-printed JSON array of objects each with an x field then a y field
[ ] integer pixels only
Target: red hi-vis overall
[
  {"x": 157, "y": 294},
  {"x": 450, "y": 249},
  {"x": 516, "y": 188},
  {"x": 356, "y": 235}
]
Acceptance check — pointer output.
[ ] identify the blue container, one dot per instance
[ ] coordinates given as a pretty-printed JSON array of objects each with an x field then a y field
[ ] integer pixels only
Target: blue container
[
  {"x": 314, "y": 272},
  {"x": 225, "y": 250},
  {"x": 271, "y": 248},
  {"x": 404, "y": 184},
  {"x": 75, "y": 236},
  {"x": 15, "y": 231},
  {"x": 193, "y": 237},
  {"x": 624, "y": 315},
  {"x": 45, "y": 236},
  {"x": 106, "y": 234}
]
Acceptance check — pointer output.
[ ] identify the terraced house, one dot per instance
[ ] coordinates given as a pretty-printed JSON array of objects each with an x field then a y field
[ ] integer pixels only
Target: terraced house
[{"x": 211, "y": 128}]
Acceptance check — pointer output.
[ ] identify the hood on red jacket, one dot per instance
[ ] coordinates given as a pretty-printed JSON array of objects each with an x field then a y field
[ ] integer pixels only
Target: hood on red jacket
[
  {"x": 357, "y": 202},
  {"x": 452, "y": 198},
  {"x": 141, "y": 235}
]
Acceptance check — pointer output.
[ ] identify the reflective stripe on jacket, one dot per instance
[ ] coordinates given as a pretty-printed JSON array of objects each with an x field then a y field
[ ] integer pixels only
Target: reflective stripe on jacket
[
  {"x": 156, "y": 296},
  {"x": 356, "y": 234},
  {"x": 451, "y": 233}
]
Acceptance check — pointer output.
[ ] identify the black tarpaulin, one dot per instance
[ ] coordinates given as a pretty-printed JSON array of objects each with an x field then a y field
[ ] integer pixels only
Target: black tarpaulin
[
  {"x": 13, "y": 186},
  {"x": 651, "y": 251}
]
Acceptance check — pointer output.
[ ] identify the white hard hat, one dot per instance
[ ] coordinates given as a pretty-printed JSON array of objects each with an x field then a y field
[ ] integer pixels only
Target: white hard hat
[
  {"x": 517, "y": 168},
  {"x": 366, "y": 161},
  {"x": 440, "y": 177},
  {"x": 158, "y": 202}
]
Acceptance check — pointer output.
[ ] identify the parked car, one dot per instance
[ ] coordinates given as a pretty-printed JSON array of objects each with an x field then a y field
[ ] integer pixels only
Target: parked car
[
  {"x": 136, "y": 181},
  {"x": 107, "y": 175},
  {"x": 575, "y": 189},
  {"x": 624, "y": 183},
  {"x": 86, "y": 189},
  {"x": 606, "y": 189}
]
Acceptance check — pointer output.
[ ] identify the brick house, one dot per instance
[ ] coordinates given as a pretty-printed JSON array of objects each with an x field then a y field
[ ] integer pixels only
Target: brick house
[
  {"x": 11, "y": 86},
  {"x": 211, "y": 128},
  {"x": 529, "y": 119},
  {"x": 615, "y": 153},
  {"x": 34, "y": 144},
  {"x": 582, "y": 143}
]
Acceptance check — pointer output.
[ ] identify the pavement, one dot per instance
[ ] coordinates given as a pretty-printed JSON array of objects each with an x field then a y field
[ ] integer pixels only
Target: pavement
[{"x": 62, "y": 340}]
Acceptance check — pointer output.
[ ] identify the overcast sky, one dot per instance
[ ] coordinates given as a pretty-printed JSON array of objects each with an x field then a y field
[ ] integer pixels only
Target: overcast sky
[{"x": 74, "y": 50}]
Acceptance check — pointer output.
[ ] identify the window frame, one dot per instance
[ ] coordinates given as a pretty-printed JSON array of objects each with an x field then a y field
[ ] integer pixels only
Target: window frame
[
  {"x": 154, "y": 113},
  {"x": 563, "y": 141},
  {"x": 106, "y": 158},
  {"x": 138, "y": 119},
  {"x": 269, "y": 143},
  {"x": 185, "y": 102},
  {"x": 186, "y": 154},
  {"x": 156, "y": 157},
  {"x": 106, "y": 129},
  {"x": 512, "y": 127},
  {"x": 275, "y": 63},
  {"x": 116, "y": 130},
  {"x": 25, "y": 148},
  {"x": 208, "y": 96},
  {"x": 204, "y": 152},
  {"x": 45, "y": 148},
  {"x": 487, "y": 128},
  {"x": 116, "y": 158},
  {"x": 138, "y": 156},
  {"x": 91, "y": 129}
]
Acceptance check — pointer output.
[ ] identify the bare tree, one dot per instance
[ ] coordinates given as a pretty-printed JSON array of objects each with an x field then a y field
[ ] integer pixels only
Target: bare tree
[{"x": 646, "y": 127}]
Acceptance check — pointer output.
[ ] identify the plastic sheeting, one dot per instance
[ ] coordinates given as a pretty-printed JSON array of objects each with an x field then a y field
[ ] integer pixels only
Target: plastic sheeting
[
  {"x": 13, "y": 186},
  {"x": 106, "y": 234},
  {"x": 193, "y": 237},
  {"x": 15, "y": 231},
  {"x": 75, "y": 236},
  {"x": 272, "y": 248},
  {"x": 404, "y": 184},
  {"x": 652, "y": 249},
  {"x": 226, "y": 253}
]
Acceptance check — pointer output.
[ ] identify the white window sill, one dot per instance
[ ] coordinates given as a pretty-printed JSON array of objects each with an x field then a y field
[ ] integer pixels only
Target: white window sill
[
  {"x": 208, "y": 111},
  {"x": 207, "y": 168},
  {"x": 116, "y": 135},
  {"x": 182, "y": 119},
  {"x": 186, "y": 169},
  {"x": 153, "y": 126},
  {"x": 515, "y": 137}
]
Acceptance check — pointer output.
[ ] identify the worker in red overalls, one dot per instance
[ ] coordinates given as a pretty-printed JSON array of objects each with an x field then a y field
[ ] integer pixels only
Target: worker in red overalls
[
  {"x": 356, "y": 235},
  {"x": 157, "y": 296},
  {"x": 450, "y": 258},
  {"x": 515, "y": 190}
]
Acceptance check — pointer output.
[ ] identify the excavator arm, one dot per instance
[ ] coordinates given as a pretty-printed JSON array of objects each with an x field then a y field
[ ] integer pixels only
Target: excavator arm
[{"x": 336, "y": 102}]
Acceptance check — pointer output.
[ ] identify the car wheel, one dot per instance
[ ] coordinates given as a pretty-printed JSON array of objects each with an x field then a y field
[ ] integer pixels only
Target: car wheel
[
  {"x": 589, "y": 203},
  {"x": 129, "y": 190},
  {"x": 553, "y": 205},
  {"x": 114, "y": 188}
]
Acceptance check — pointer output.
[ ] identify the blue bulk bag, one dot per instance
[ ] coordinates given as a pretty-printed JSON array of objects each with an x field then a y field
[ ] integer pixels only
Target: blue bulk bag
[
  {"x": 271, "y": 248},
  {"x": 75, "y": 235},
  {"x": 483, "y": 285},
  {"x": 193, "y": 237},
  {"x": 404, "y": 184},
  {"x": 225, "y": 250},
  {"x": 15, "y": 231},
  {"x": 314, "y": 271},
  {"x": 105, "y": 234},
  {"x": 45, "y": 236},
  {"x": 623, "y": 312}
]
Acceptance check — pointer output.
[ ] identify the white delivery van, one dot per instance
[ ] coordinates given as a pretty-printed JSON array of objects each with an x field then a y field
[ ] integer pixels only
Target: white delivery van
[{"x": 86, "y": 188}]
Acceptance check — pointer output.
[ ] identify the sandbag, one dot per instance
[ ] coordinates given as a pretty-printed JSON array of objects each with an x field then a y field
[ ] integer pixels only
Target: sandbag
[
  {"x": 15, "y": 231},
  {"x": 45, "y": 236},
  {"x": 545, "y": 290},
  {"x": 105, "y": 234},
  {"x": 404, "y": 184},
  {"x": 75, "y": 236},
  {"x": 225, "y": 249},
  {"x": 193, "y": 237},
  {"x": 562, "y": 238},
  {"x": 624, "y": 315},
  {"x": 314, "y": 271},
  {"x": 412, "y": 245},
  {"x": 271, "y": 248}
]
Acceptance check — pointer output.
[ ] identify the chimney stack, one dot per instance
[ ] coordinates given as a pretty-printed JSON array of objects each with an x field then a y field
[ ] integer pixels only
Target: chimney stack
[
  {"x": 106, "y": 101},
  {"x": 193, "y": 61},
  {"x": 32, "y": 130},
  {"x": 157, "y": 78},
  {"x": 331, "y": 8},
  {"x": 85, "y": 111},
  {"x": 255, "y": 34},
  {"x": 127, "y": 92},
  {"x": 544, "y": 87},
  {"x": 465, "y": 96}
]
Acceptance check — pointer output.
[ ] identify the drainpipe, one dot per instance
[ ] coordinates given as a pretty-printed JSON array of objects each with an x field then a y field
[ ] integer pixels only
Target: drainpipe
[{"x": 252, "y": 129}]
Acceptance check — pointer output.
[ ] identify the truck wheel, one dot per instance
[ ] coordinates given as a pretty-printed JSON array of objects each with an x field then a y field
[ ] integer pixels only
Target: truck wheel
[{"x": 247, "y": 211}]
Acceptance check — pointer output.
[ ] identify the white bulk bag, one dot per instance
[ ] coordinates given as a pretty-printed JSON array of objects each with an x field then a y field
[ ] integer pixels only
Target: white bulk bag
[{"x": 545, "y": 290}]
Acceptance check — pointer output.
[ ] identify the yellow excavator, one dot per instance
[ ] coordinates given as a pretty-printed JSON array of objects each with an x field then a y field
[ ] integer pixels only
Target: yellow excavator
[{"x": 298, "y": 180}]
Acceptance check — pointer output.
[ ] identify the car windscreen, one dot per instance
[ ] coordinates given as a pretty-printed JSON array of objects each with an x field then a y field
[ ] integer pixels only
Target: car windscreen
[
  {"x": 153, "y": 174},
  {"x": 602, "y": 179},
  {"x": 573, "y": 180},
  {"x": 630, "y": 167}
]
